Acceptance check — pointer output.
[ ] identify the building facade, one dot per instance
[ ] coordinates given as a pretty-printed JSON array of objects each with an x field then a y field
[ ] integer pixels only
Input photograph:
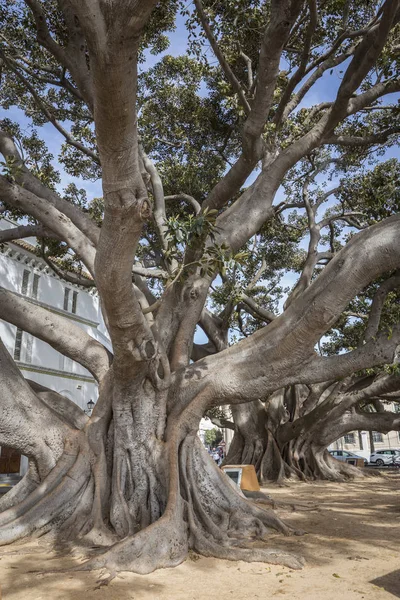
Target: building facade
[
  {"x": 365, "y": 442},
  {"x": 23, "y": 272}
]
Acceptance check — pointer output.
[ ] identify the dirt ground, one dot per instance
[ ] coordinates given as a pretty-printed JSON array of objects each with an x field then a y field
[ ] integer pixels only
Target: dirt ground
[{"x": 352, "y": 549}]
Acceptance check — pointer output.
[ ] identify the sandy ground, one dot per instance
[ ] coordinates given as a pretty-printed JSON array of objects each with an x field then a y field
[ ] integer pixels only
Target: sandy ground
[{"x": 352, "y": 548}]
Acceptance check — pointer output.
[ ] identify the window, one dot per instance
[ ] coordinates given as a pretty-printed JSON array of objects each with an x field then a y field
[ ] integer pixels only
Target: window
[
  {"x": 25, "y": 281},
  {"x": 18, "y": 344},
  {"x": 74, "y": 301},
  {"x": 66, "y": 298},
  {"x": 377, "y": 437},
  {"x": 35, "y": 285},
  {"x": 396, "y": 407},
  {"x": 28, "y": 353},
  {"x": 349, "y": 438}
]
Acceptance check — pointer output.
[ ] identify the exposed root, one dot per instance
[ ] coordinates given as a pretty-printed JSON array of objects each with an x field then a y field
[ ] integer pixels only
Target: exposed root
[
  {"x": 204, "y": 513},
  {"x": 106, "y": 581}
]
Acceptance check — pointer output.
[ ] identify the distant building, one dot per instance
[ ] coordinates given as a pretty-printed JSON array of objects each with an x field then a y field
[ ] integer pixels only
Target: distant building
[{"x": 360, "y": 442}]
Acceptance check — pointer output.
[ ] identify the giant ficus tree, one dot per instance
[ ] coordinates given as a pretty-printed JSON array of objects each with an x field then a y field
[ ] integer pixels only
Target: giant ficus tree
[{"x": 174, "y": 147}]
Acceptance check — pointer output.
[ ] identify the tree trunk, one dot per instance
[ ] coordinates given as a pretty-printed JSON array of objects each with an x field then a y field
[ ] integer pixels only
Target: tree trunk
[
  {"x": 134, "y": 475},
  {"x": 302, "y": 454}
]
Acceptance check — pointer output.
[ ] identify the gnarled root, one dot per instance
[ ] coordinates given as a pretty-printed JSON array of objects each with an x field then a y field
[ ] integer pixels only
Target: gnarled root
[
  {"x": 205, "y": 514},
  {"x": 221, "y": 522},
  {"x": 53, "y": 501}
]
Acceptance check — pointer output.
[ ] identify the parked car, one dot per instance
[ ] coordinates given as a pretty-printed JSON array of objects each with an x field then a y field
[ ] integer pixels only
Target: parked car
[
  {"x": 346, "y": 456},
  {"x": 385, "y": 457}
]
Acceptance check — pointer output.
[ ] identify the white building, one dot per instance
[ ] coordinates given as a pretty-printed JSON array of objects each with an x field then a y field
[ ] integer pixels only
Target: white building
[{"x": 23, "y": 272}]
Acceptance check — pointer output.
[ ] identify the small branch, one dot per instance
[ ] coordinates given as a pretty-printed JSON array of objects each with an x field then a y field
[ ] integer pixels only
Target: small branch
[
  {"x": 377, "y": 138},
  {"x": 185, "y": 198},
  {"x": 150, "y": 273},
  {"x": 315, "y": 235},
  {"x": 298, "y": 75},
  {"x": 42, "y": 106},
  {"x": 159, "y": 212},
  {"x": 258, "y": 275},
  {"x": 221, "y": 59},
  {"x": 221, "y": 423},
  {"x": 355, "y": 315},
  {"x": 255, "y": 310},
  {"x": 343, "y": 217},
  {"x": 249, "y": 66},
  {"x": 62, "y": 82},
  {"x": 70, "y": 276}
]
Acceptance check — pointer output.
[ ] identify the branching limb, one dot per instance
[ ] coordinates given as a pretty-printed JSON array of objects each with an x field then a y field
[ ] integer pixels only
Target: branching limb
[
  {"x": 298, "y": 75},
  {"x": 73, "y": 57},
  {"x": 21, "y": 198},
  {"x": 25, "y": 178},
  {"x": 365, "y": 56},
  {"x": 380, "y": 137},
  {"x": 253, "y": 367},
  {"x": 377, "y": 305},
  {"x": 283, "y": 15}
]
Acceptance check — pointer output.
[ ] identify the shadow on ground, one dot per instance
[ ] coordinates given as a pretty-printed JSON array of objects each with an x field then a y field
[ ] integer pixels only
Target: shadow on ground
[
  {"x": 351, "y": 548},
  {"x": 389, "y": 582}
]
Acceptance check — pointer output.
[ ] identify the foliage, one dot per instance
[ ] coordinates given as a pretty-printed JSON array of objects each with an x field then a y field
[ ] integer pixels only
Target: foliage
[{"x": 213, "y": 437}]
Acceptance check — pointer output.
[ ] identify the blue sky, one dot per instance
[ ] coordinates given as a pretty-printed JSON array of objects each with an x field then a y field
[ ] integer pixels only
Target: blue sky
[{"x": 323, "y": 90}]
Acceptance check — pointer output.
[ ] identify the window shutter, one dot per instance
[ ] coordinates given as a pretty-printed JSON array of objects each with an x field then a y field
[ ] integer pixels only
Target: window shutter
[
  {"x": 74, "y": 301},
  {"x": 66, "y": 298},
  {"x": 18, "y": 344},
  {"x": 25, "y": 281},
  {"x": 35, "y": 286}
]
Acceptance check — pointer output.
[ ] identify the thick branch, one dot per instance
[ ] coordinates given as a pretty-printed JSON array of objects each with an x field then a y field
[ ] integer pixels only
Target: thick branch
[
  {"x": 24, "y": 231},
  {"x": 22, "y": 416},
  {"x": 283, "y": 352},
  {"x": 57, "y": 331},
  {"x": 382, "y": 422}
]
